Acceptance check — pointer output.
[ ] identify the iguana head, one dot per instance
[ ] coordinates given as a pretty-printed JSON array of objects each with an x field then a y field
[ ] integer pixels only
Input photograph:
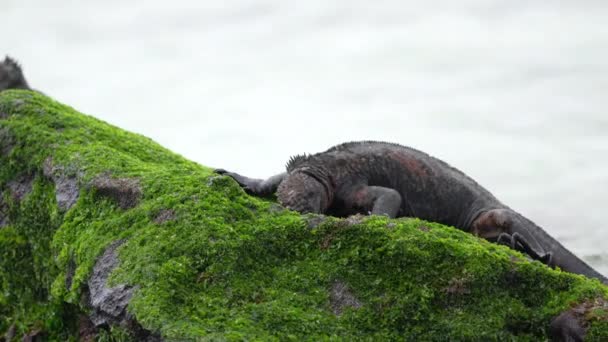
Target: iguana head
[{"x": 304, "y": 193}]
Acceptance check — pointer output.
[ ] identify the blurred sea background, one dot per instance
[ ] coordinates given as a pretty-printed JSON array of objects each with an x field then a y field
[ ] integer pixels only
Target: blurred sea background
[{"x": 514, "y": 93}]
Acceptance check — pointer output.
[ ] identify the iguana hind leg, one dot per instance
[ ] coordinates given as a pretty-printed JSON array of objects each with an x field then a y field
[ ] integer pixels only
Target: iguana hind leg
[
  {"x": 518, "y": 243},
  {"x": 505, "y": 227}
]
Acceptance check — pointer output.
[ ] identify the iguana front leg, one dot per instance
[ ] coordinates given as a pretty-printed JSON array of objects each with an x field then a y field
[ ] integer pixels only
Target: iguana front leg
[
  {"x": 254, "y": 186},
  {"x": 518, "y": 243},
  {"x": 375, "y": 200}
]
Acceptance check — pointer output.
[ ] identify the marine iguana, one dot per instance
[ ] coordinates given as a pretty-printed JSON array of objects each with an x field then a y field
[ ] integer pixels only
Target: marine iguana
[{"x": 371, "y": 177}]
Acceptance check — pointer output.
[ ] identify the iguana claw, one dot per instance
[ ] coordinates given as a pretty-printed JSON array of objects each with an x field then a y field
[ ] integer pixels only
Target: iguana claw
[{"x": 518, "y": 243}]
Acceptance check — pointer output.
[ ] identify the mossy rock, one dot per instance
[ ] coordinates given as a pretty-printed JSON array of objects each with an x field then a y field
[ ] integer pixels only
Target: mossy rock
[{"x": 106, "y": 235}]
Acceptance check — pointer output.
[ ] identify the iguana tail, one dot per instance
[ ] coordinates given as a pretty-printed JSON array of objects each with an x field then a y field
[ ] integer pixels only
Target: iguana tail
[{"x": 560, "y": 256}]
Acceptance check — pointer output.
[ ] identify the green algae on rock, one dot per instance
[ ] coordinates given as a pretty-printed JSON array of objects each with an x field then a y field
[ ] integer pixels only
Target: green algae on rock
[{"x": 103, "y": 233}]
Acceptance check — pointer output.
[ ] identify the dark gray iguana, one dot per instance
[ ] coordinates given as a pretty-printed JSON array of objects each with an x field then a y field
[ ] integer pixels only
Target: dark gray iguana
[{"x": 390, "y": 179}]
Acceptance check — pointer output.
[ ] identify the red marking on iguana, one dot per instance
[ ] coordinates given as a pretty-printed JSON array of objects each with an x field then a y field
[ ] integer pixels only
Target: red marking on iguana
[{"x": 410, "y": 163}]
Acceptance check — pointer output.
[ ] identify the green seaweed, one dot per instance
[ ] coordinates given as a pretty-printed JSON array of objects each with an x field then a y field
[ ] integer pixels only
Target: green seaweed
[{"x": 228, "y": 266}]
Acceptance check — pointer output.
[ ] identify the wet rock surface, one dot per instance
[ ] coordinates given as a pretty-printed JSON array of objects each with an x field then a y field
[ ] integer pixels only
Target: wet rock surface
[
  {"x": 67, "y": 187},
  {"x": 341, "y": 298},
  {"x": 125, "y": 192}
]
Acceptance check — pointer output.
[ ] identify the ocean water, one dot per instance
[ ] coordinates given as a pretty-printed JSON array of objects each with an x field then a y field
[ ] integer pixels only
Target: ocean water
[{"x": 512, "y": 92}]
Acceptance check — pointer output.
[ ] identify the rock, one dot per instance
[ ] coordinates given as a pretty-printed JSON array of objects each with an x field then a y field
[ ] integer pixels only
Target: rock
[
  {"x": 567, "y": 328},
  {"x": 66, "y": 185},
  {"x": 109, "y": 304},
  {"x": 21, "y": 187},
  {"x": 313, "y": 221},
  {"x": 572, "y": 324},
  {"x": 87, "y": 332},
  {"x": 6, "y": 142},
  {"x": 10, "y": 333},
  {"x": 35, "y": 335},
  {"x": 124, "y": 191},
  {"x": 164, "y": 215},
  {"x": 341, "y": 298}
]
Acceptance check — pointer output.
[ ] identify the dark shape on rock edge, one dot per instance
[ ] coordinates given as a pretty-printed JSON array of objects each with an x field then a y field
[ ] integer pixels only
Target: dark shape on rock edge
[
  {"x": 341, "y": 298},
  {"x": 66, "y": 186},
  {"x": 571, "y": 325},
  {"x": 124, "y": 191},
  {"x": 567, "y": 327},
  {"x": 11, "y": 75},
  {"x": 87, "y": 332}
]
